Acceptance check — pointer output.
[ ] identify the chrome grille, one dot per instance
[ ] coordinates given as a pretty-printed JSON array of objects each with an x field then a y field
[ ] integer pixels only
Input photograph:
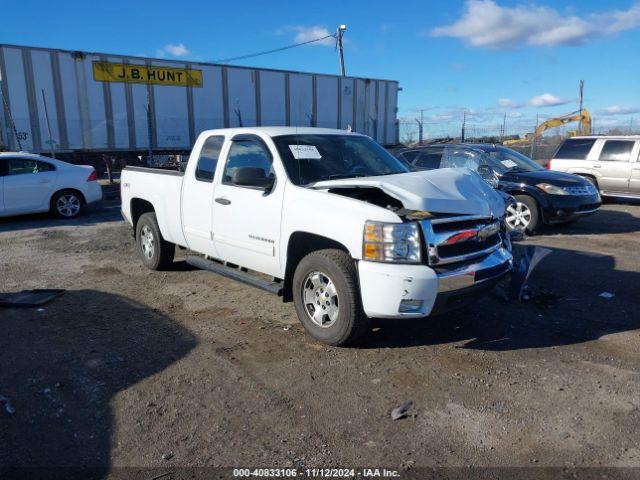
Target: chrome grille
[
  {"x": 583, "y": 191},
  {"x": 457, "y": 239}
]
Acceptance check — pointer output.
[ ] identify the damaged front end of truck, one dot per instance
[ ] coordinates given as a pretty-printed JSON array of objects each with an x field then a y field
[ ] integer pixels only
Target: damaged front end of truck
[{"x": 464, "y": 239}]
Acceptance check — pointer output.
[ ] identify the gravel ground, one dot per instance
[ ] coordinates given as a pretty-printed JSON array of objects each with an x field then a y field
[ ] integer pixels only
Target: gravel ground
[{"x": 144, "y": 369}]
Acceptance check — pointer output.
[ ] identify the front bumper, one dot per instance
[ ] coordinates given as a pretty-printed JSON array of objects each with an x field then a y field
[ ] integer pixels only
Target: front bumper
[
  {"x": 564, "y": 208},
  {"x": 412, "y": 291}
]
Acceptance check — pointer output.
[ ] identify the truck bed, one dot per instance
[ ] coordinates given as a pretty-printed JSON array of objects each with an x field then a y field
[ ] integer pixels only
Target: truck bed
[{"x": 160, "y": 187}]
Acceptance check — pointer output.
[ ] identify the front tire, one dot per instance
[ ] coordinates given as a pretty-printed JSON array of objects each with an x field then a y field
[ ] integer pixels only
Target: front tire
[
  {"x": 154, "y": 251},
  {"x": 524, "y": 215},
  {"x": 66, "y": 204},
  {"x": 327, "y": 299}
]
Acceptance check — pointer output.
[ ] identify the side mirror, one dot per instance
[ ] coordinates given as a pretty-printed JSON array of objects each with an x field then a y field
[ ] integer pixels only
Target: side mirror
[
  {"x": 488, "y": 175},
  {"x": 251, "y": 177}
]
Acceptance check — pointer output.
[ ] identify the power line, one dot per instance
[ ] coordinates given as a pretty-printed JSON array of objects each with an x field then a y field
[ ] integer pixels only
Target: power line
[{"x": 266, "y": 52}]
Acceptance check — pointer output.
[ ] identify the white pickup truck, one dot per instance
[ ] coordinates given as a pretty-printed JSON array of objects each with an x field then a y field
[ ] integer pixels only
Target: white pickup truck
[{"x": 337, "y": 224}]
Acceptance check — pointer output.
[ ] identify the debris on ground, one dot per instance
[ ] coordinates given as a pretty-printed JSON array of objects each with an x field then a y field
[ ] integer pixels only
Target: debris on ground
[
  {"x": 401, "y": 411},
  {"x": 7, "y": 405},
  {"x": 539, "y": 296},
  {"x": 607, "y": 295},
  {"x": 167, "y": 456},
  {"x": 29, "y": 298},
  {"x": 527, "y": 259}
]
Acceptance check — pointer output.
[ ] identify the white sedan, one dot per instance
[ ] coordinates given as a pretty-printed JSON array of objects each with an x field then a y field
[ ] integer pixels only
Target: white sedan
[{"x": 32, "y": 183}]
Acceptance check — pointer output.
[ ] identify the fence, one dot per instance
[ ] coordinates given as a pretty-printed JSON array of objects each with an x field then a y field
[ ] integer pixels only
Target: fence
[{"x": 541, "y": 150}]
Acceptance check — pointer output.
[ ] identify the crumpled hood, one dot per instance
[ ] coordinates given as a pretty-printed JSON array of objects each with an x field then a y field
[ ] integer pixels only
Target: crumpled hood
[{"x": 445, "y": 190}]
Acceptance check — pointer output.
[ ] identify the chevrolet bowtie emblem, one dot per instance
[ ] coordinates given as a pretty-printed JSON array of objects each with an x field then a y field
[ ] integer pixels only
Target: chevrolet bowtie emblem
[{"x": 475, "y": 234}]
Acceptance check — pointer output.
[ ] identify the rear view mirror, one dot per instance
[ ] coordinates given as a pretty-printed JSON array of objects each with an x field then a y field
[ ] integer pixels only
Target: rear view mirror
[{"x": 252, "y": 177}]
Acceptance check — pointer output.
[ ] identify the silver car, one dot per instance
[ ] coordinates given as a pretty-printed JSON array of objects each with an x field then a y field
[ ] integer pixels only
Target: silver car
[{"x": 612, "y": 163}]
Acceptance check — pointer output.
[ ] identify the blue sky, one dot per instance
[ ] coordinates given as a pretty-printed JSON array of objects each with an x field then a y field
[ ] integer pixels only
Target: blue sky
[{"x": 487, "y": 57}]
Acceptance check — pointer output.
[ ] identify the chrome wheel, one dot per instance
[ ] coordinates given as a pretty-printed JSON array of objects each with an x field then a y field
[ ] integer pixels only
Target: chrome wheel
[
  {"x": 147, "y": 242},
  {"x": 68, "y": 205},
  {"x": 518, "y": 216},
  {"x": 320, "y": 299}
]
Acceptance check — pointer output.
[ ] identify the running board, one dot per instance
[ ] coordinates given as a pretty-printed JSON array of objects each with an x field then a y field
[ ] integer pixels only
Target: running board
[{"x": 235, "y": 274}]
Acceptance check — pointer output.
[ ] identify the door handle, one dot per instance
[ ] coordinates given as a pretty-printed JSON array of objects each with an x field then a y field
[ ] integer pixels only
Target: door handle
[
  {"x": 597, "y": 165},
  {"x": 222, "y": 201},
  {"x": 45, "y": 181}
]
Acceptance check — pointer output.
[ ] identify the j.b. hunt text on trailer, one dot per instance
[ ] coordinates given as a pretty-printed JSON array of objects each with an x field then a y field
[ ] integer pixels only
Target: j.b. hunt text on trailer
[
  {"x": 104, "y": 103},
  {"x": 121, "y": 72}
]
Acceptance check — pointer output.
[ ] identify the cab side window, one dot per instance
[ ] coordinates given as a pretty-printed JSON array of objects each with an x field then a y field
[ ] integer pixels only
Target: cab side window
[
  {"x": 616, "y": 151},
  {"x": 208, "y": 159},
  {"x": 247, "y": 153}
]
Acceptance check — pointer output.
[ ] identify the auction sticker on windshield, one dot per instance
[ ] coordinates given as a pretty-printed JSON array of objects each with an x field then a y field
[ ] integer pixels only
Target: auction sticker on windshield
[
  {"x": 509, "y": 163},
  {"x": 305, "y": 152}
]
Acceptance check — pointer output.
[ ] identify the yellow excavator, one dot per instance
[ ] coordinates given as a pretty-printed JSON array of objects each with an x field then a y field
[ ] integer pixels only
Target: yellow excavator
[{"x": 584, "y": 126}]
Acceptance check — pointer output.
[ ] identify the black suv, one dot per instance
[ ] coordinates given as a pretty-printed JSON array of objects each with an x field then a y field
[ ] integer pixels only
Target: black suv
[{"x": 542, "y": 196}]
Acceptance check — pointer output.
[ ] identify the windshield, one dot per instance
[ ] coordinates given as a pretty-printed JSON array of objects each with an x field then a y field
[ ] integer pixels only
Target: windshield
[
  {"x": 504, "y": 160},
  {"x": 312, "y": 158}
]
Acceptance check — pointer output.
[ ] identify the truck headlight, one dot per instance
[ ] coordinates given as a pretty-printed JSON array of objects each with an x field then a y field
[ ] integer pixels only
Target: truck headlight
[
  {"x": 391, "y": 242},
  {"x": 552, "y": 189}
]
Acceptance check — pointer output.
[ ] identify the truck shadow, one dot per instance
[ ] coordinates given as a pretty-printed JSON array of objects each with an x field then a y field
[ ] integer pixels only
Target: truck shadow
[
  {"x": 572, "y": 311},
  {"x": 604, "y": 221},
  {"x": 63, "y": 368}
]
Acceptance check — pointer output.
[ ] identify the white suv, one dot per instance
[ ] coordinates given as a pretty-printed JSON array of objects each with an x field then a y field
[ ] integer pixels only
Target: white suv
[{"x": 612, "y": 163}]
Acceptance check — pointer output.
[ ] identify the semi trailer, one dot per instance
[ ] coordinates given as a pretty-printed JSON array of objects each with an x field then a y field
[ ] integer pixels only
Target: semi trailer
[{"x": 76, "y": 104}]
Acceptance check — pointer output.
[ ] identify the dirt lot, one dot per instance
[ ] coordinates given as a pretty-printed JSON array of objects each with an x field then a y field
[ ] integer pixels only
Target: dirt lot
[{"x": 137, "y": 368}]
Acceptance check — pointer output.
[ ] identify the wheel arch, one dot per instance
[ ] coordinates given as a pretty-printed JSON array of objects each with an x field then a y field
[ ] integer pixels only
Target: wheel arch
[
  {"x": 139, "y": 207},
  {"x": 301, "y": 244},
  {"x": 532, "y": 192},
  {"x": 591, "y": 177}
]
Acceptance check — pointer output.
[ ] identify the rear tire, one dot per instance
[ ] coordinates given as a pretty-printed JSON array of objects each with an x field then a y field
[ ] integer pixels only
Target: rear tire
[
  {"x": 327, "y": 298},
  {"x": 154, "y": 251},
  {"x": 66, "y": 204}
]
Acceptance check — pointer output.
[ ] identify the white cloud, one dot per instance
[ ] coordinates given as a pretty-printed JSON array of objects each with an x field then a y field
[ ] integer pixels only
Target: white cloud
[
  {"x": 546, "y": 100},
  {"x": 173, "y": 50},
  {"x": 484, "y": 23},
  {"x": 507, "y": 103},
  {"x": 618, "y": 110},
  {"x": 305, "y": 34}
]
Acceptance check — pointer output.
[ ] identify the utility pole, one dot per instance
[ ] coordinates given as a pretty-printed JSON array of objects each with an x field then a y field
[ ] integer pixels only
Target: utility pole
[
  {"x": 533, "y": 139},
  {"x": 581, "y": 127},
  {"x": 339, "y": 33},
  {"x": 464, "y": 121},
  {"x": 420, "y": 128},
  {"x": 581, "y": 94},
  {"x": 504, "y": 124}
]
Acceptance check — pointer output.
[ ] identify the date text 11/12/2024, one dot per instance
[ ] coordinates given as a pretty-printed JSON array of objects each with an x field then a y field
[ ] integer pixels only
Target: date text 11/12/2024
[{"x": 315, "y": 473}]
